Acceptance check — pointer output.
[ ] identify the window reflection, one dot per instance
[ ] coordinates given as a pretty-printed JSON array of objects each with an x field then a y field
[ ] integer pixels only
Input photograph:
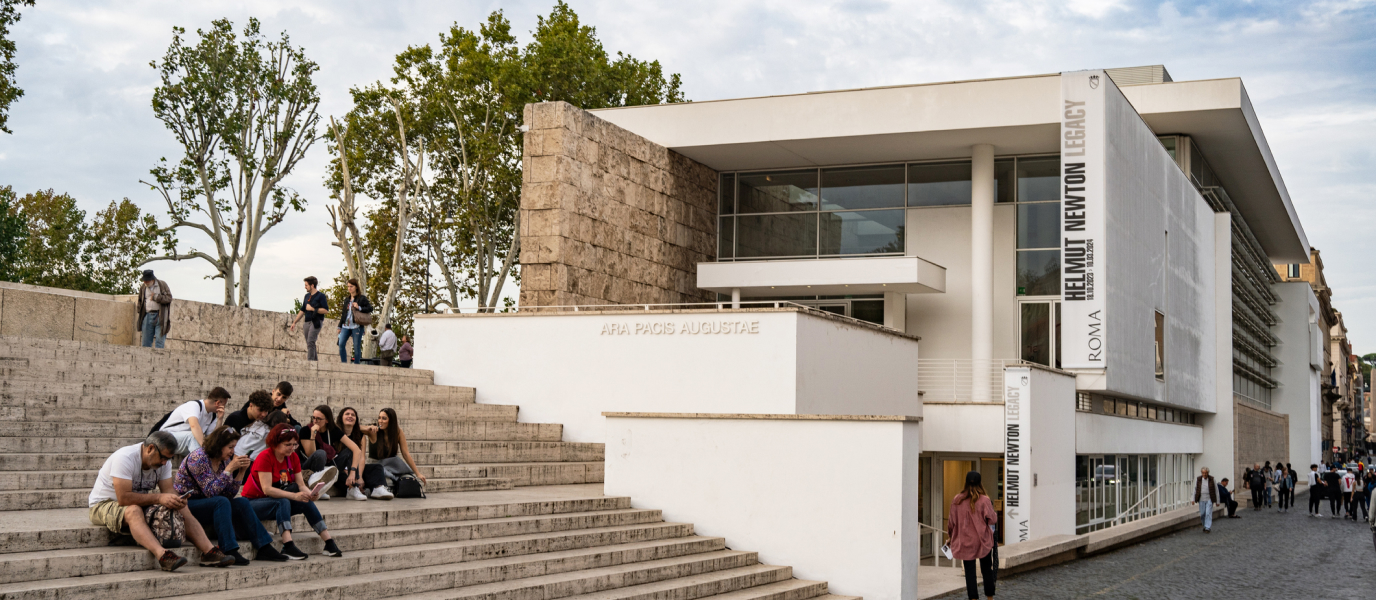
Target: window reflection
[
  {"x": 862, "y": 232},
  {"x": 862, "y": 187},
  {"x": 1039, "y": 179},
  {"x": 1039, "y": 273},
  {"x": 777, "y": 192},
  {"x": 940, "y": 184},
  {"x": 776, "y": 235},
  {"x": 1039, "y": 225}
]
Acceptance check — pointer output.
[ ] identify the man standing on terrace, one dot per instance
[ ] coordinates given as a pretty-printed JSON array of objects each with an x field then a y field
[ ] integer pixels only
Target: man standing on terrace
[{"x": 313, "y": 309}]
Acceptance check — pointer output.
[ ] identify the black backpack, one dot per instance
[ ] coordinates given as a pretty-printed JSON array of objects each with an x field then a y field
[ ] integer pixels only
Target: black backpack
[
  {"x": 407, "y": 486},
  {"x": 163, "y": 421}
]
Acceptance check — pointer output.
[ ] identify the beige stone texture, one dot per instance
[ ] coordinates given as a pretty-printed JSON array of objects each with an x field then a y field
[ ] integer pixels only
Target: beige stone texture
[
  {"x": 104, "y": 321},
  {"x": 38, "y": 315},
  {"x": 608, "y": 217},
  {"x": 1259, "y": 435}
]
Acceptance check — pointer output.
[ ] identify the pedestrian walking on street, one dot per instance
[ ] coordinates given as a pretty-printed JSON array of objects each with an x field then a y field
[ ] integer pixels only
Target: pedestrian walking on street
[
  {"x": 313, "y": 309},
  {"x": 1225, "y": 498},
  {"x": 1282, "y": 483},
  {"x": 1332, "y": 485},
  {"x": 1349, "y": 484},
  {"x": 1256, "y": 482},
  {"x": 155, "y": 310},
  {"x": 1266, "y": 482},
  {"x": 971, "y": 531},
  {"x": 357, "y": 314},
  {"x": 1316, "y": 491},
  {"x": 1294, "y": 482},
  {"x": 1205, "y": 495}
]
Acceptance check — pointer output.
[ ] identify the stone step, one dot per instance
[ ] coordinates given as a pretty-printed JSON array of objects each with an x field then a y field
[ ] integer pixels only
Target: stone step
[
  {"x": 526, "y": 474},
  {"x": 61, "y": 480},
  {"x": 459, "y": 413},
  {"x": 668, "y": 579},
  {"x": 195, "y": 366},
  {"x": 22, "y": 349},
  {"x": 447, "y": 430},
  {"x": 57, "y": 429},
  {"x": 167, "y": 397},
  {"x": 379, "y": 575},
  {"x": 78, "y": 445},
  {"x": 738, "y": 584},
  {"x": 43, "y": 530},
  {"x": 83, "y": 562}
]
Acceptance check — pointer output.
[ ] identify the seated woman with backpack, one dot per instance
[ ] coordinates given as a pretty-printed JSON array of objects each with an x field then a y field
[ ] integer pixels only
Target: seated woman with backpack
[
  {"x": 329, "y": 452},
  {"x": 389, "y": 457},
  {"x": 208, "y": 479},
  {"x": 276, "y": 490}
]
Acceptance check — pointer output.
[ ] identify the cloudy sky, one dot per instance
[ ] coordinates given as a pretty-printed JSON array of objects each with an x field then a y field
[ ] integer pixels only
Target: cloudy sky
[{"x": 85, "y": 125}]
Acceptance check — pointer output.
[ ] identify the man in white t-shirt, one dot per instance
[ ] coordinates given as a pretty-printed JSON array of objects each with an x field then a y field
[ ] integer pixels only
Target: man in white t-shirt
[
  {"x": 130, "y": 480},
  {"x": 191, "y": 422}
]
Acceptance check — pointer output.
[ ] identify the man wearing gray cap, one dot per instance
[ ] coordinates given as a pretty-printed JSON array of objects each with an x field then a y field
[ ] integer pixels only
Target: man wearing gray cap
[{"x": 155, "y": 310}]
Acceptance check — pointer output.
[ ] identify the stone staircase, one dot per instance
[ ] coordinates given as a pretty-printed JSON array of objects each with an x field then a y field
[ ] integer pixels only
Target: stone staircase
[{"x": 513, "y": 512}]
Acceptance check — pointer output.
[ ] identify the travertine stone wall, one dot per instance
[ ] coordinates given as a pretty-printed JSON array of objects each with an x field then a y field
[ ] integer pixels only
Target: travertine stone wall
[
  {"x": 197, "y": 327},
  {"x": 1260, "y": 435},
  {"x": 608, "y": 217}
]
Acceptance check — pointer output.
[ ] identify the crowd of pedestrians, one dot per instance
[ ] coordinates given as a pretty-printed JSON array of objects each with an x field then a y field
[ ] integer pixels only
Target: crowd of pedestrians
[
  {"x": 356, "y": 316},
  {"x": 238, "y": 470},
  {"x": 1348, "y": 488}
]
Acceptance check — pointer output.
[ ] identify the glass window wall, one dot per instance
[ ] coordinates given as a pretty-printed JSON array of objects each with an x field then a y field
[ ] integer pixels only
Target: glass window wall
[{"x": 1115, "y": 489}]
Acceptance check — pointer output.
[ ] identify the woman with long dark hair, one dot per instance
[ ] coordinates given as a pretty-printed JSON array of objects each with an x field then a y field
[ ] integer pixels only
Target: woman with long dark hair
[
  {"x": 327, "y": 451},
  {"x": 970, "y": 527},
  {"x": 209, "y": 480},
  {"x": 349, "y": 328},
  {"x": 355, "y": 433},
  {"x": 388, "y": 455}
]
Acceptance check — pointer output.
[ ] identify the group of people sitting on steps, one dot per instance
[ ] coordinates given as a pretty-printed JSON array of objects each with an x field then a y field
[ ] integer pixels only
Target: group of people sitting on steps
[{"x": 255, "y": 464}]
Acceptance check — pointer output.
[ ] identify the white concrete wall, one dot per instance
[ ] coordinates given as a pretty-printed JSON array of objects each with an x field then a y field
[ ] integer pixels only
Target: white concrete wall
[
  {"x": 964, "y": 427},
  {"x": 1160, "y": 257},
  {"x": 1220, "y": 447},
  {"x": 836, "y": 500},
  {"x": 1108, "y": 434},
  {"x": 1295, "y": 376},
  {"x": 1053, "y": 453},
  {"x": 566, "y": 368},
  {"x": 942, "y": 235}
]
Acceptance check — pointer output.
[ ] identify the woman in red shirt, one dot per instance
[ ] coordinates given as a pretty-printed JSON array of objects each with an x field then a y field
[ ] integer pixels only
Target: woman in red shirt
[
  {"x": 971, "y": 528},
  {"x": 277, "y": 491}
]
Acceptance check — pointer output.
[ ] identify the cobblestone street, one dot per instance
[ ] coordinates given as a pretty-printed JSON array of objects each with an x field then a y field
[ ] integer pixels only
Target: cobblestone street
[{"x": 1263, "y": 555}]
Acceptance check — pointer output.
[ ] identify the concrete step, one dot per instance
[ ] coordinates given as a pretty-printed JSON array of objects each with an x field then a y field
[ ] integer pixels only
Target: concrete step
[
  {"x": 668, "y": 579},
  {"x": 792, "y": 589},
  {"x": 446, "y": 430},
  {"x": 459, "y": 413},
  {"x": 195, "y": 366},
  {"x": 368, "y": 575},
  {"x": 43, "y": 530},
  {"x": 60, "y": 480},
  {"x": 83, "y": 562},
  {"x": 165, "y": 399},
  {"x": 58, "y": 429},
  {"x": 526, "y": 474},
  {"x": 35, "y": 349},
  {"x": 78, "y": 445},
  {"x": 466, "y": 484}
]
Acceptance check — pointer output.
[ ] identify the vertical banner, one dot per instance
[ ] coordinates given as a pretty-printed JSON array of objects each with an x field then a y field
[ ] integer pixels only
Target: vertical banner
[
  {"x": 1082, "y": 219},
  {"x": 1017, "y": 460}
]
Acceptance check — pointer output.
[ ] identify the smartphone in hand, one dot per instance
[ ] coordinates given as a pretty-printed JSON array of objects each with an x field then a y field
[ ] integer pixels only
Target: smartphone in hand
[{"x": 315, "y": 491}]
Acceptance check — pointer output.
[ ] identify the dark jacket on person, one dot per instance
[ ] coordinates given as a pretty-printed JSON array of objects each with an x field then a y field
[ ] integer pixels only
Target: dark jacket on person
[
  {"x": 1333, "y": 484},
  {"x": 363, "y": 306},
  {"x": 1225, "y": 497},
  {"x": 1199, "y": 488},
  {"x": 164, "y": 298}
]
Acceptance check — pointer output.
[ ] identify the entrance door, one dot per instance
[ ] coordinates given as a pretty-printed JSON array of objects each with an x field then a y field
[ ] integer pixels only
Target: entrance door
[
  {"x": 953, "y": 482},
  {"x": 1040, "y": 332}
]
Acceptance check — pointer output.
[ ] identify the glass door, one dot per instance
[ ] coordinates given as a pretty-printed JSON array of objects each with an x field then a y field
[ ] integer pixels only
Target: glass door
[{"x": 1040, "y": 332}]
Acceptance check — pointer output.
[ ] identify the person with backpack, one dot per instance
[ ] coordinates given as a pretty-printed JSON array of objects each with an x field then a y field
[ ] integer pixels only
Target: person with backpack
[
  {"x": 1256, "y": 482},
  {"x": 276, "y": 490},
  {"x": 251, "y": 423},
  {"x": 208, "y": 479},
  {"x": 155, "y": 310},
  {"x": 389, "y": 456},
  {"x": 970, "y": 529},
  {"x": 190, "y": 422},
  {"x": 313, "y": 309},
  {"x": 357, "y": 314},
  {"x": 133, "y": 496}
]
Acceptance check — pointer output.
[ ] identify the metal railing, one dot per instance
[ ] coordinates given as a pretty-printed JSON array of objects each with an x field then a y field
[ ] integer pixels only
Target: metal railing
[
  {"x": 938, "y": 537},
  {"x": 962, "y": 380},
  {"x": 723, "y": 306}
]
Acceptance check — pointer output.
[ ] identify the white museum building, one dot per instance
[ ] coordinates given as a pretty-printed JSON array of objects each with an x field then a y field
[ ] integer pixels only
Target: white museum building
[{"x": 800, "y": 320}]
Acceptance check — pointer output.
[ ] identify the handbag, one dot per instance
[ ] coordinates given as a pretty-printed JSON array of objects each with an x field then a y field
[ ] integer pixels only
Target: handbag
[
  {"x": 407, "y": 486},
  {"x": 167, "y": 526}
]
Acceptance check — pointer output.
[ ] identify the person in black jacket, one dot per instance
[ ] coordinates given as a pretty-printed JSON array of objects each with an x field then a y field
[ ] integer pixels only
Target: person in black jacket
[
  {"x": 1332, "y": 483},
  {"x": 349, "y": 327},
  {"x": 1225, "y": 497}
]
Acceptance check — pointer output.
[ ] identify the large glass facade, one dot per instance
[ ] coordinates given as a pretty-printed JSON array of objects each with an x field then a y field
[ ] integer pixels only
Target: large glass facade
[
  {"x": 862, "y": 210},
  {"x": 1112, "y": 489}
]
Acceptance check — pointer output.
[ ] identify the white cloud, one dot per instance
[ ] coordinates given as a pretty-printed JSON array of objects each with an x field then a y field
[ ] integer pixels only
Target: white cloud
[{"x": 85, "y": 125}]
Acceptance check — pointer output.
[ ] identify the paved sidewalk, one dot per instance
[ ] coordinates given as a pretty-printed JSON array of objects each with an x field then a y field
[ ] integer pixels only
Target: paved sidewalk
[{"x": 1243, "y": 558}]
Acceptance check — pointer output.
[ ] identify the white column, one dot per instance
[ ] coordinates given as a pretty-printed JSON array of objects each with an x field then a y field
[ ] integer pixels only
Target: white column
[
  {"x": 735, "y": 297},
  {"x": 896, "y": 311},
  {"x": 982, "y": 270}
]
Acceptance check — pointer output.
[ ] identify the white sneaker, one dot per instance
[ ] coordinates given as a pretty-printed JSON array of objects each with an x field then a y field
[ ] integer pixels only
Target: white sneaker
[
  {"x": 323, "y": 496},
  {"x": 356, "y": 494},
  {"x": 327, "y": 476},
  {"x": 381, "y": 493}
]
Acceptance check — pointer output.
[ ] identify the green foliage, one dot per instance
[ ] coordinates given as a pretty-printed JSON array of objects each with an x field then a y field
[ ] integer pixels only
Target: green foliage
[
  {"x": 464, "y": 99},
  {"x": 9, "y": 92},
  {"x": 48, "y": 242},
  {"x": 243, "y": 110}
]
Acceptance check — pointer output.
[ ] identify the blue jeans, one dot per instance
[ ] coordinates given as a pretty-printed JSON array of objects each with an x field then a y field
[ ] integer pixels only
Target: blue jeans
[
  {"x": 281, "y": 510},
  {"x": 152, "y": 331},
  {"x": 1206, "y": 512},
  {"x": 226, "y": 516},
  {"x": 357, "y": 334}
]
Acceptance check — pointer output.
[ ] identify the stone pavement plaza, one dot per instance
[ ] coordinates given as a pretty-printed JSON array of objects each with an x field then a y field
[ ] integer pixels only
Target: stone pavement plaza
[{"x": 1261, "y": 556}]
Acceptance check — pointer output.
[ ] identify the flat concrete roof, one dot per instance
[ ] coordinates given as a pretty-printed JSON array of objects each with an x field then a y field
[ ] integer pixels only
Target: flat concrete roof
[{"x": 1018, "y": 115}]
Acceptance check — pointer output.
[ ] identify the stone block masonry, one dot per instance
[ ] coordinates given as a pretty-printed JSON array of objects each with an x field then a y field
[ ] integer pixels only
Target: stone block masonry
[
  {"x": 608, "y": 217},
  {"x": 1261, "y": 435}
]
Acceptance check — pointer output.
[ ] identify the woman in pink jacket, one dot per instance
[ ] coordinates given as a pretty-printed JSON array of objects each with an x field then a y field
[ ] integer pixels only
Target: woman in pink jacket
[{"x": 970, "y": 527}]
